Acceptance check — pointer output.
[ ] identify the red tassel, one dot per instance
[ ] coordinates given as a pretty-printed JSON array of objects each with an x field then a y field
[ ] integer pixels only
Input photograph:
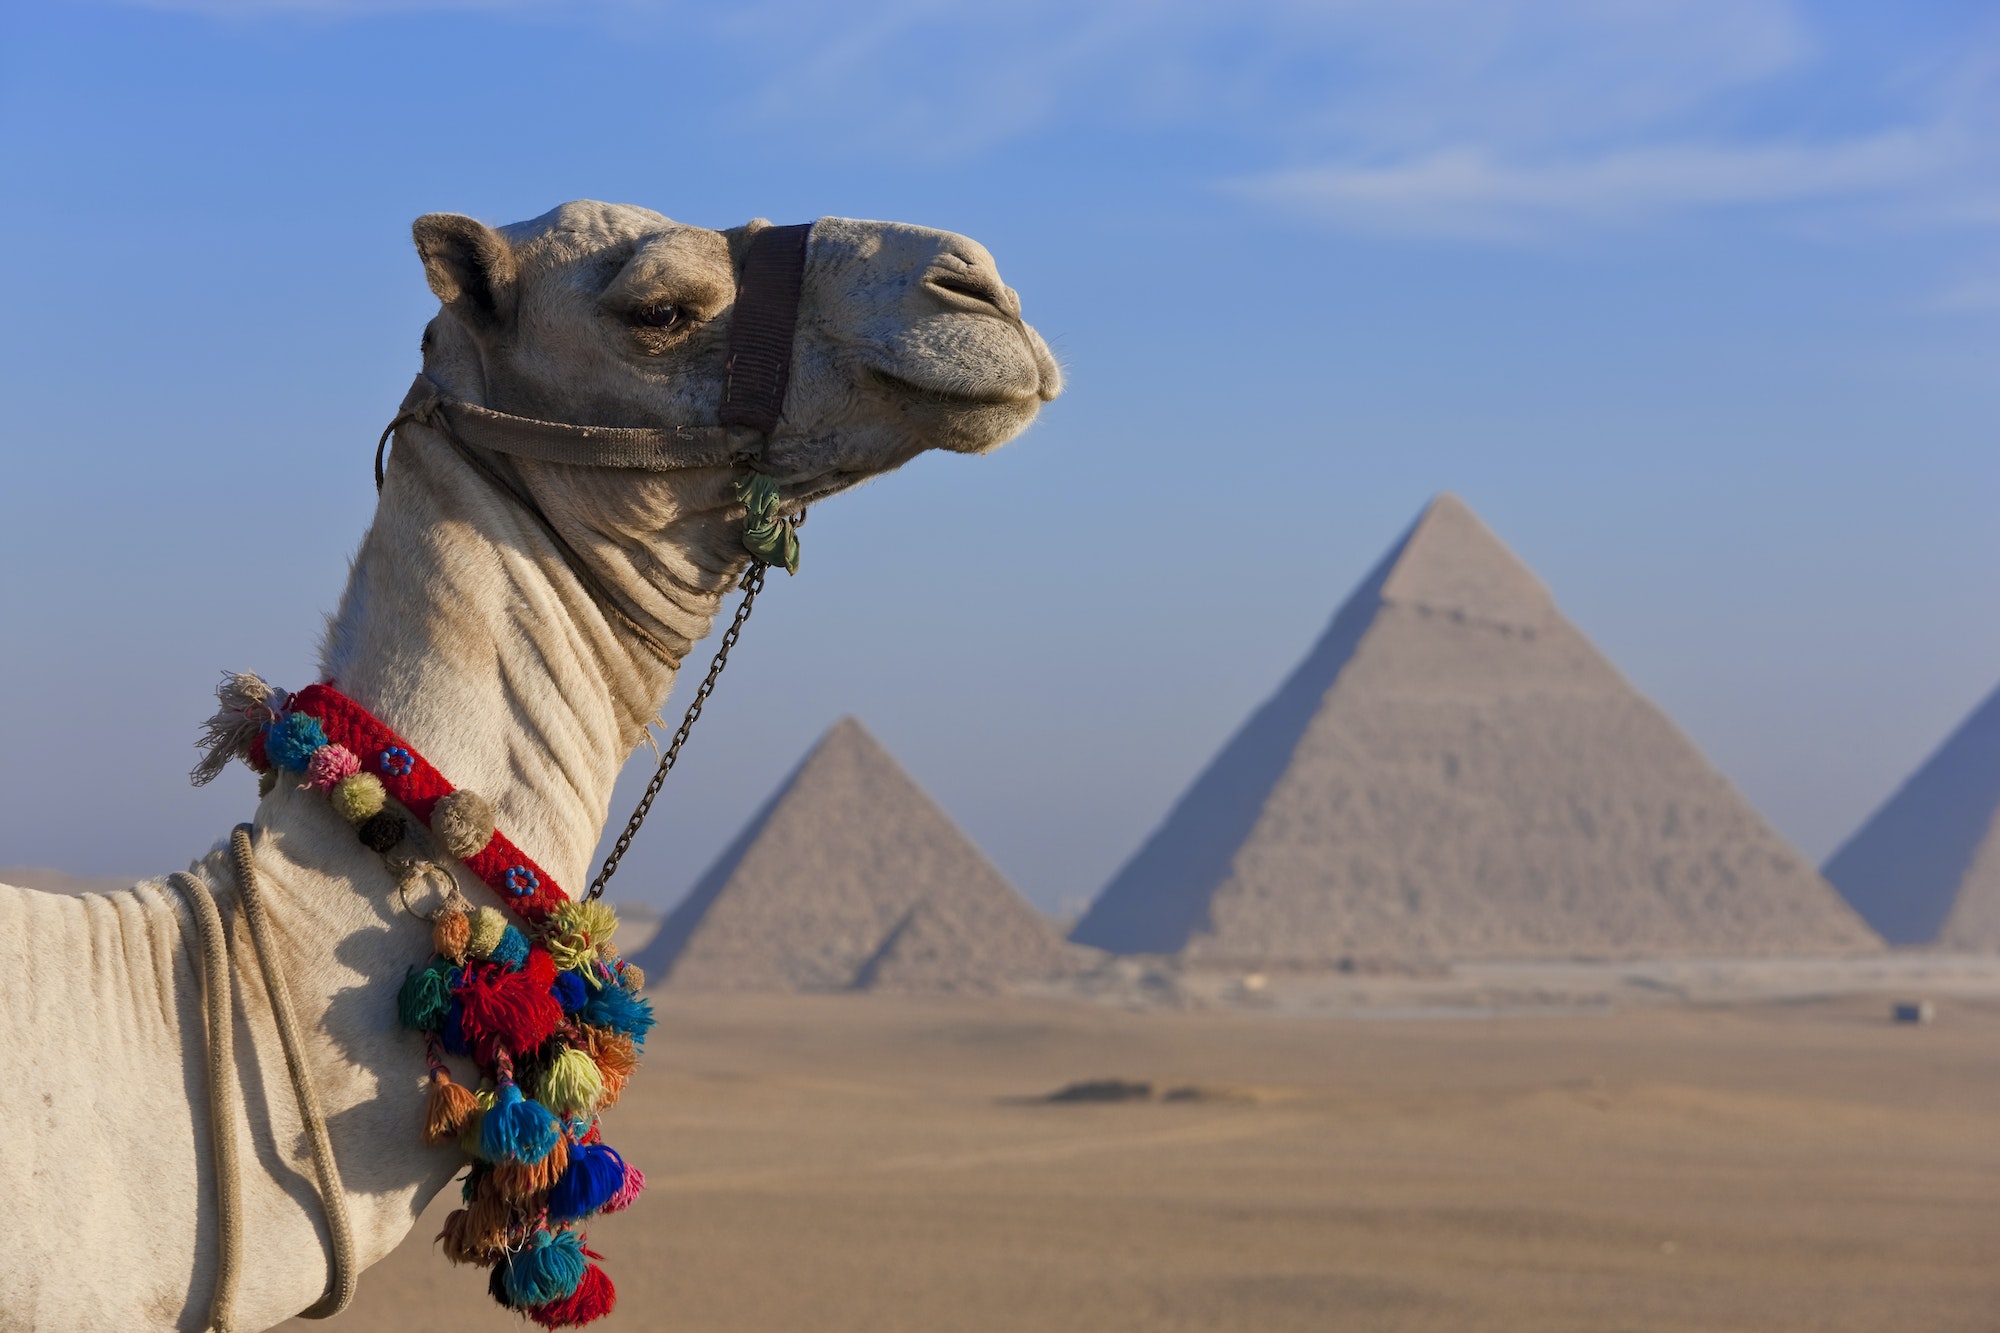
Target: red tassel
[
  {"x": 511, "y": 1009},
  {"x": 593, "y": 1298}
]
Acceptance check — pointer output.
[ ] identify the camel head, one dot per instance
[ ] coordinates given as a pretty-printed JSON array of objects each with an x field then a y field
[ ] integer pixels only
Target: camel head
[{"x": 610, "y": 315}]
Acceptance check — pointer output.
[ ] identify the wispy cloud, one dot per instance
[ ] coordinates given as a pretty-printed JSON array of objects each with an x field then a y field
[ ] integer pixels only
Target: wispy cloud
[
  {"x": 1469, "y": 192},
  {"x": 1488, "y": 120}
]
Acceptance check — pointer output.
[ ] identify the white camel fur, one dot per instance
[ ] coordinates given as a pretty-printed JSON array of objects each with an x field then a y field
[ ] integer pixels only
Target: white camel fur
[{"x": 462, "y": 628}]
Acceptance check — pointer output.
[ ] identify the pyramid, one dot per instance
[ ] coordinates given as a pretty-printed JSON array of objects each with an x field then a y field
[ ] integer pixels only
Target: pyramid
[
  {"x": 1925, "y": 868},
  {"x": 851, "y": 878},
  {"x": 1456, "y": 772}
]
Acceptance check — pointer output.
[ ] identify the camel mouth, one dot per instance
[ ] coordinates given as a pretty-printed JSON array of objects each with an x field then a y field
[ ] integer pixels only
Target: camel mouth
[{"x": 954, "y": 397}]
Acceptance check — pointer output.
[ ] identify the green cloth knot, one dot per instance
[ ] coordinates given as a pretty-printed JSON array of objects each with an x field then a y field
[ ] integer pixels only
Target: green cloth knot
[{"x": 766, "y": 535}]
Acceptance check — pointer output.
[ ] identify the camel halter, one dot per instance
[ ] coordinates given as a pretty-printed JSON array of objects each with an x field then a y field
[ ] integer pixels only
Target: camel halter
[{"x": 757, "y": 371}]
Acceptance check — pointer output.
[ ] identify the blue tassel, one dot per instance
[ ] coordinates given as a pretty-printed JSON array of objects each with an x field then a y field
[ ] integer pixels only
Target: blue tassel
[
  {"x": 570, "y": 991},
  {"x": 453, "y": 1035},
  {"x": 595, "y": 1173},
  {"x": 512, "y": 950},
  {"x": 620, "y": 1010},
  {"x": 545, "y": 1271},
  {"x": 290, "y": 741},
  {"x": 516, "y": 1129}
]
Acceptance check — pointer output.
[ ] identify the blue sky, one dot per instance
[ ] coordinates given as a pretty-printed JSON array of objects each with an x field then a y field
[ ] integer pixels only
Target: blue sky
[{"x": 1697, "y": 302}]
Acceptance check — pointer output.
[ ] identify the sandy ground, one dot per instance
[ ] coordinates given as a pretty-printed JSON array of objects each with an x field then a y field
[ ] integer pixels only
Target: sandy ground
[{"x": 865, "y": 1163}]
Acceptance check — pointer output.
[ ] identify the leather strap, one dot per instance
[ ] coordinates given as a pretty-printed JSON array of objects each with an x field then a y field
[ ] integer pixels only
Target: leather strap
[{"x": 763, "y": 327}]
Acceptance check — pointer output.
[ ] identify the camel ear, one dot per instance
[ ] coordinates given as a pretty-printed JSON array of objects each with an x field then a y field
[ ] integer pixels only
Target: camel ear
[{"x": 469, "y": 266}]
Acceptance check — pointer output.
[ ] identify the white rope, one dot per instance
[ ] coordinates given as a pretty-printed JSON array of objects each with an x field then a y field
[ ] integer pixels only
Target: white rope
[{"x": 343, "y": 1276}]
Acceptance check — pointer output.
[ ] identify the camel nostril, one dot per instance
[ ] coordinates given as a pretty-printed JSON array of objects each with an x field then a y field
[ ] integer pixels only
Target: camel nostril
[{"x": 978, "y": 287}]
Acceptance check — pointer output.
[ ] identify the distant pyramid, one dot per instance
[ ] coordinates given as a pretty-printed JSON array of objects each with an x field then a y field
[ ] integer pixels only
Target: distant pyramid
[
  {"x": 1455, "y": 771},
  {"x": 1925, "y": 868},
  {"x": 849, "y": 878}
]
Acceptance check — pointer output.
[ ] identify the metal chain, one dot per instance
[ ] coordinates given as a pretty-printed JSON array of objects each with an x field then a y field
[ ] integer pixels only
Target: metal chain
[{"x": 753, "y": 583}]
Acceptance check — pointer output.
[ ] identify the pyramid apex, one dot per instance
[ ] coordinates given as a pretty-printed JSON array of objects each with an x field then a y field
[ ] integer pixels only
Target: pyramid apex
[{"x": 1452, "y": 562}]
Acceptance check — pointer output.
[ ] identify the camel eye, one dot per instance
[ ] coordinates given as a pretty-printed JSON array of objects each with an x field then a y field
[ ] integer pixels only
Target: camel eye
[{"x": 658, "y": 316}]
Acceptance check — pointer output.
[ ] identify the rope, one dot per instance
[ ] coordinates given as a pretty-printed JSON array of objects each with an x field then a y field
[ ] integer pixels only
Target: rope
[
  {"x": 344, "y": 1275},
  {"x": 332, "y": 1195},
  {"x": 222, "y": 1126}
]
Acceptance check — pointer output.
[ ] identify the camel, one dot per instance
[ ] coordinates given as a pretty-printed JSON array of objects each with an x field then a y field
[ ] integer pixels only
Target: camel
[{"x": 466, "y": 629}]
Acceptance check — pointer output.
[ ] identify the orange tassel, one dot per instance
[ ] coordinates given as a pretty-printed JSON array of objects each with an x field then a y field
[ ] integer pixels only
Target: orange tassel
[
  {"x": 486, "y": 1224},
  {"x": 462, "y": 1245},
  {"x": 448, "y": 1110},
  {"x": 451, "y": 934},
  {"x": 521, "y": 1181},
  {"x": 616, "y": 1059}
]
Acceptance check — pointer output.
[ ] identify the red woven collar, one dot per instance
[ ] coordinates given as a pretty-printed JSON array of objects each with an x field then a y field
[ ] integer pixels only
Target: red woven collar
[{"x": 530, "y": 891}]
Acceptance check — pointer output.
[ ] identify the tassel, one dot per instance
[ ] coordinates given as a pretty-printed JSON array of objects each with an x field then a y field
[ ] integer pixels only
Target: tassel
[
  {"x": 620, "y": 1010},
  {"x": 575, "y": 932},
  {"x": 632, "y": 977},
  {"x": 451, "y": 933},
  {"x": 516, "y": 1129},
  {"x": 448, "y": 1110},
  {"x": 290, "y": 741},
  {"x": 489, "y": 924},
  {"x": 512, "y": 950},
  {"x": 616, "y": 1059},
  {"x": 424, "y": 1002},
  {"x": 522, "y": 1181},
  {"x": 570, "y": 991},
  {"x": 595, "y": 1175},
  {"x": 463, "y": 1245},
  {"x": 628, "y": 1193},
  {"x": 487, "y": 1218},
  {"x": 572, "y": 1085},
  {"x": 593, "y": 1299},
  {"x": 547, "y": 1270},
  {"x": 246, "y": 705},
  {"x": 510, "y": 1009}
]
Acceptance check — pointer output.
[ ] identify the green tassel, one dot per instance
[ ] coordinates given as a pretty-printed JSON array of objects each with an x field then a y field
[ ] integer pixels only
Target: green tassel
[{"x": 766, "y": 534}]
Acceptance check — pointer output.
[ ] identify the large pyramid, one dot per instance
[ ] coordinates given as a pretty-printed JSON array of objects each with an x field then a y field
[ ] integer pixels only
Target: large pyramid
[
  {"x": 1454, "y": 771},
  {"x": 1925, "y": 868},
  {"x": 851, "y": 878}
]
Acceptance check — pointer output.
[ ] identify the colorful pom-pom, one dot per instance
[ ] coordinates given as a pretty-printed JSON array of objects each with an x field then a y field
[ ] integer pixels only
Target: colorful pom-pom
[
  {"x": 594, "y": 1177},
  {"x": 522, "y": 1181},
  {"x": 511, "y": 950},
  {"x": 451, "y": 932},
  {"x": 489, "y": 925},
  {"x": 576, "y": 930},
  {"x": 620, "y": 1010},
  {"x": 547, "y": 1270},
  {"x": 510, "y": 1009},
  {"x": 448, "y": 1109},
  {"x": 516, "y": 1129},
  {"x": 290, "y": 741},
  {"x": 257, "y": 753},
  {"x": 628, "y": 1193},
  {"x": 572, "y": 1085},
  {"x": 632, "y": 977},
  {"x": 424, "y": 1000},
  {"x": 463, "y": 822},
  {"x": 328, "y": 765},
  {"x": 593, "y": 1299},
  {"x": 381, "y": 831},
  {"x": 570, "y": 992},
  {"x": 617, "y": 1059},
  {"x": 358, "y": 798},
  {"x": 452, "y": 1035}
]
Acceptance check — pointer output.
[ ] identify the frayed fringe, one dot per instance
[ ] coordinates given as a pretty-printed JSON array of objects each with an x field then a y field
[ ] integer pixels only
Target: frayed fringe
[
  {"x": 593, "y": 1299},
  {"x": 247, "y": 703}
]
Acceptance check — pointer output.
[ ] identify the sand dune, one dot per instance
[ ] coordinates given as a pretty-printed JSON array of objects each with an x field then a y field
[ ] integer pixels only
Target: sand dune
[{"x": 874, "y": 1163}]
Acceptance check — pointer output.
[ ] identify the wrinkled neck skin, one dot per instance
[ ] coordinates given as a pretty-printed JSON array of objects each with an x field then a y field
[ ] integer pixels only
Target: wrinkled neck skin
[{"x": 463, "y": 629}]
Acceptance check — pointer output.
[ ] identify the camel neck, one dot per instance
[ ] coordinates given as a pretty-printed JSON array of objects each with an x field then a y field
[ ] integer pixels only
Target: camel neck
[{"x": 464, "y": 629}]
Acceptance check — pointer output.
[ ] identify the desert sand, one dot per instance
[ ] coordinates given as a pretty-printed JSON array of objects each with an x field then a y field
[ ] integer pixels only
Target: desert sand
[{"x": 1751, "y": 1150}]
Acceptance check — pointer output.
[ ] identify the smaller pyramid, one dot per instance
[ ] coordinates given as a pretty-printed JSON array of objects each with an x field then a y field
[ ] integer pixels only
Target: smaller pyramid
[
  {"x": 1925, "y": 868},
  {"x": 852, "y": 878}
]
